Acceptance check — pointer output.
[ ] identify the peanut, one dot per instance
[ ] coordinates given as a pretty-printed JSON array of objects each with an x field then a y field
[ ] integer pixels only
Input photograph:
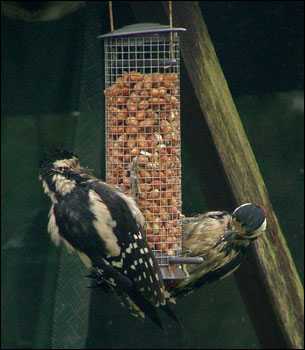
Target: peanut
[{"x": 143, "y": 127}]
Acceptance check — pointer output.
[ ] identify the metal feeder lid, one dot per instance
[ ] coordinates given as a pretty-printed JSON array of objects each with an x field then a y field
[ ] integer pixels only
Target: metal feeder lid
[{"x": 140, "y": 29}]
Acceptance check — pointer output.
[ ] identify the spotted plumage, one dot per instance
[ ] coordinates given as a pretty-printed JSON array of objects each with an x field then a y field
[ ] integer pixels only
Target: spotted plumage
[
  {"x": 104, "y": 226},
  {"x": 222, "y": 240}
]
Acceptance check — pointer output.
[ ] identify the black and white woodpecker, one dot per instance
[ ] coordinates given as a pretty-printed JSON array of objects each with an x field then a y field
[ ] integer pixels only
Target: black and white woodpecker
[
  {"x": 104, "y": 226},
  {"x": 222, "y": 240}
]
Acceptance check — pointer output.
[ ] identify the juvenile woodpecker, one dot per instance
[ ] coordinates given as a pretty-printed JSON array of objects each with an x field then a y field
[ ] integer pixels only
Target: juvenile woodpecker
[
  {"x": 104, "y": 226},
  {"x": 222, "y": 240}
]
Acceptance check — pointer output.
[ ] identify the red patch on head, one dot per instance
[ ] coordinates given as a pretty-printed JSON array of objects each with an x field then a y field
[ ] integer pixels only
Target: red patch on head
[{"x": 264, "y": 209}]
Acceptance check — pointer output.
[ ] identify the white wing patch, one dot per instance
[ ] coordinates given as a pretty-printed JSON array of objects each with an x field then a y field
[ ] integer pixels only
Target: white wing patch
[
  {"x": 69, "y": 247},
  {"x": 53, "y": 228},
  {"x": 83, "y": 257},
  {"x": 135, "y": 310},
  {"x": 104, "y": 224},
  {"x": 117, "y": 263}
]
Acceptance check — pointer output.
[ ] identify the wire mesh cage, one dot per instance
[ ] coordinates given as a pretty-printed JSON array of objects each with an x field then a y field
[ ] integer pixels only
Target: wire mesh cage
[{"x": 143, "y": 144}]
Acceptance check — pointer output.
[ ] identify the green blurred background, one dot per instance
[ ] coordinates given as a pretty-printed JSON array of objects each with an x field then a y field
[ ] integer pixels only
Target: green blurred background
[{"x": 51, "y": 89}]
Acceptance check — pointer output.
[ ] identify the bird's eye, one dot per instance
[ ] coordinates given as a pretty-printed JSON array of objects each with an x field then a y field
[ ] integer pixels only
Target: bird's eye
[{"x": 214, "y": 216}]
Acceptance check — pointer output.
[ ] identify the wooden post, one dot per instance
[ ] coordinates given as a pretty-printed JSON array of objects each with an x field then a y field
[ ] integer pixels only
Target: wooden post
[{"x": 273, "y": 294}]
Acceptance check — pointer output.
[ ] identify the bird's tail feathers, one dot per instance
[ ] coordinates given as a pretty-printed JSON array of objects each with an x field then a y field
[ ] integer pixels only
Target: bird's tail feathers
[
  {"x": 140, "y": 306},
  {"x": 166, "y": 308}
]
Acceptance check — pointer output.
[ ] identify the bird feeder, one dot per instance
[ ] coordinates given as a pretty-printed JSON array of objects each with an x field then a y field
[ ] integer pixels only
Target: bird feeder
[{"x": 143, "y": 143}]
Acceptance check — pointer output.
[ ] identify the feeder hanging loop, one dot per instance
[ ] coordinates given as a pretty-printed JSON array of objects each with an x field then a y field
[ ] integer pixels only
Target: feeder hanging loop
[{"x": 111, "y": 16}]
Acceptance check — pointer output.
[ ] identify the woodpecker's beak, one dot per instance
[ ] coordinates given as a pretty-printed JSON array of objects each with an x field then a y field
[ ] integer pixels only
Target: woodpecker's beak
[{"x": 227, "y": 236}]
